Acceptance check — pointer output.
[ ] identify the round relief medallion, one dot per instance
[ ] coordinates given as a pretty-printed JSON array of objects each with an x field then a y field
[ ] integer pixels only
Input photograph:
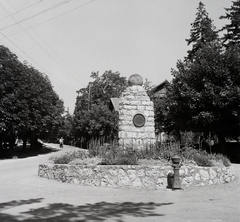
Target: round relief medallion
[{"x": 139, "y": 120}]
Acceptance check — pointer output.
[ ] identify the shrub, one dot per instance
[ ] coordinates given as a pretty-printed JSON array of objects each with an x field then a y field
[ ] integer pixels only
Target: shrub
[
  {"x": 226, "y": 161},
  {"x": 221, "y": 158},
  {"x": 120, "y": 157},
  {"x": 87, "y": 161},
  {"x": 64, "y": 159},
  {"x": 158, "y": 151},
  {"x": 202, "y": 160},
  {"x": 112, "y": 154},
  {"x": 69, "y": 156}
]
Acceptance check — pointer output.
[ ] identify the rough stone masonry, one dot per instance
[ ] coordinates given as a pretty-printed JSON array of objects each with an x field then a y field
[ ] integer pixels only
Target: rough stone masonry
[{"x": 136, "y": 116}]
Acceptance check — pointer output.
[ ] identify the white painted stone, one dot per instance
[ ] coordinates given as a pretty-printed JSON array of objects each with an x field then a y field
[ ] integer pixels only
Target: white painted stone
[
  {"x": 210, "y": 182},
  {"x": 161, "y": 183},
  {"x": 154, "y": 172},
  {"x": 181, "y": 171},
  {"x": 137, "y": 183},
  {"x": 197, "y": 177},
  {"x": 132, "y": 174},
  {"x": 141, "y": 107},
  {"x": 187, "y": 181},
  {"x": 227, "y": 178},
  {"x": 140, "y": 173},
  {"x": 146, "y": 103},
  {"x": 131, "y": 107},
  {"x": 213, "y": 173},
  {"x": 124, "y": 182},
  {"x": 204, "y": 174},
  {"x": 148, "y": 183}
]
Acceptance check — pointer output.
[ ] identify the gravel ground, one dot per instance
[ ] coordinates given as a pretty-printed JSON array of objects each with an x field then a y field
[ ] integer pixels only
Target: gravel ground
[{"x": 26, "y": 197}]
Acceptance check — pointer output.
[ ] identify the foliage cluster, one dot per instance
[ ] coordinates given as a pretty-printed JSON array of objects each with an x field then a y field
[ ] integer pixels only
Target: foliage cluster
[
  {"x": 66, "y": 130},
  {"x": 93, "y": 115},
  {"x": 29, "y": 107},
  {"x": 202, "y": 157},
  {"x": 204, "y": 93},
  {"x": 111, "y": 154},
  {"x": 67, "y": 157}
]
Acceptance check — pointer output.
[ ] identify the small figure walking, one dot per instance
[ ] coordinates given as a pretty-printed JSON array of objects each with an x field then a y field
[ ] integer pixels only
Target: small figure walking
[{"x": 61, "y": 142}]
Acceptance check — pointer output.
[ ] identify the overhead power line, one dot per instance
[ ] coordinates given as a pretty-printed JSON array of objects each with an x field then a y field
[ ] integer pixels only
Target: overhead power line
[
  {"x": 20, "y": 10},
  {"x": 31, "y": 59},
  {"x": 37, "y": 14},
  {"x": 42, "y": 48},
  {"x": 58, "y": 80},
  {"x": 55, "y": 17}
]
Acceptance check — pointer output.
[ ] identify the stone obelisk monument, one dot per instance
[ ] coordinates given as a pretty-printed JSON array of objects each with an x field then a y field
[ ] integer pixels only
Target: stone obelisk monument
[{"x": 136, "y": 116}]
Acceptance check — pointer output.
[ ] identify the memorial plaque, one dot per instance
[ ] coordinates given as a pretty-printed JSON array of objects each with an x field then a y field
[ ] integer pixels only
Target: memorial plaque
[{"x": 139, "y": 120}]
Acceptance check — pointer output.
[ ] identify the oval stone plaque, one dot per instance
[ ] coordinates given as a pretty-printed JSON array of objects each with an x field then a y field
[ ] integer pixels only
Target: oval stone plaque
[{"x": 139, "y": 120}]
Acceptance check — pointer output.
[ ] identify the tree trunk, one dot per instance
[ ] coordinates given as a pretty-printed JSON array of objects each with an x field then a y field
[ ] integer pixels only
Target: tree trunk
[
  {"x": 35, "y": 145},
  {"x": 33, "y": 142},
  {"x": 24, "y": 144},
  {"x": 222, "y": 142}
]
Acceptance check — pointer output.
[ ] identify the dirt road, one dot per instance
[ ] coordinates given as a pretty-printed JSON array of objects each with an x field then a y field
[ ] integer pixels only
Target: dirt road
[{"x": 26, "y": 197}]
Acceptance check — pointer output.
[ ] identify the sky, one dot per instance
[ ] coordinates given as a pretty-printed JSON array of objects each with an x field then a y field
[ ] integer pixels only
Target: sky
[{"x": 69, "y": 39}]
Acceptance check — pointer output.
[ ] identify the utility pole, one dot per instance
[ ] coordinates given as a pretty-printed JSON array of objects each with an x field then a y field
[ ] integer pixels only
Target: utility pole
[{"x": 89, "y": 96}]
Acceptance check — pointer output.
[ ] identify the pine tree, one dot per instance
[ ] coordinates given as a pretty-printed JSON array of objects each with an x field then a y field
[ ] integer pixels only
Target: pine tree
[
  {"x": 232, "y": 36},
  {"x": 203, "y": 95},
  {"x": 202, "y": 32}
]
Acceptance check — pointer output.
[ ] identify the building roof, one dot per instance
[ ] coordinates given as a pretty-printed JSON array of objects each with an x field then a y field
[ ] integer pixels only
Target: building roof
[
  {"x": 115, "y": 102},
  {"x": 159, "y": 87}
]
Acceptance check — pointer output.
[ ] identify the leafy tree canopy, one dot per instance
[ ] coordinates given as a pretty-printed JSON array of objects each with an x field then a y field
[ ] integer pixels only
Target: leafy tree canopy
[
  {"x": 204, "y": 94},
  {"x": 233, "y": 29},
  {"x": 202, "y": 31},
  {"x": 28, "y": 103},
  {"x": 92, "y": 115},
  {"x": 66, "y": 129}
]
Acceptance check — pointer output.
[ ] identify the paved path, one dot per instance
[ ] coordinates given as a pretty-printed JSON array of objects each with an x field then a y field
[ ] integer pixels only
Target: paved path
[{"x": 26, "y": 197}]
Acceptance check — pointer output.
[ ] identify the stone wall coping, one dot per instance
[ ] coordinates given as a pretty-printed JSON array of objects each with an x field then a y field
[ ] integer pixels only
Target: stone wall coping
[
  {"x": 134, "y": 166},
  {"x": 127, "y": 167}
]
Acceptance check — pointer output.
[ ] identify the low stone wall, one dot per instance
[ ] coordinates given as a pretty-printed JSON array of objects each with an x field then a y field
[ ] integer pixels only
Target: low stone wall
[{"x": 138, "y": 177}]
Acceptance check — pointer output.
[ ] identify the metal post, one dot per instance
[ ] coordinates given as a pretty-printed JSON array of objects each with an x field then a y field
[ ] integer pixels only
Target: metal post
[
  {"x": 89, "y": 96},
  {"x": 176, "y": 176}
]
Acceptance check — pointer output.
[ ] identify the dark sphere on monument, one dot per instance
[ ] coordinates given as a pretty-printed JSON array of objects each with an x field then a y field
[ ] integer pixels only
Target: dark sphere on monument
[{"x": 135, "y": 80}]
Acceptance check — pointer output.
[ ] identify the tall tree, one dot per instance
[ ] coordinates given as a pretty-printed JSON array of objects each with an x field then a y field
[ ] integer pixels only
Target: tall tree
[
  {"x": 44, "y": 107},
  {"x": 10, "y": 73},
  {"x": 202, "y": 31},
  {"x": 66, "y": 129},
  {"x": 204, "y": 93},
  {"x": 92, "y": 115},
  {"x": 109, "y": 85},
  {"x": 28, "y": 103},
  {"x": 232, "y": 36}
]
